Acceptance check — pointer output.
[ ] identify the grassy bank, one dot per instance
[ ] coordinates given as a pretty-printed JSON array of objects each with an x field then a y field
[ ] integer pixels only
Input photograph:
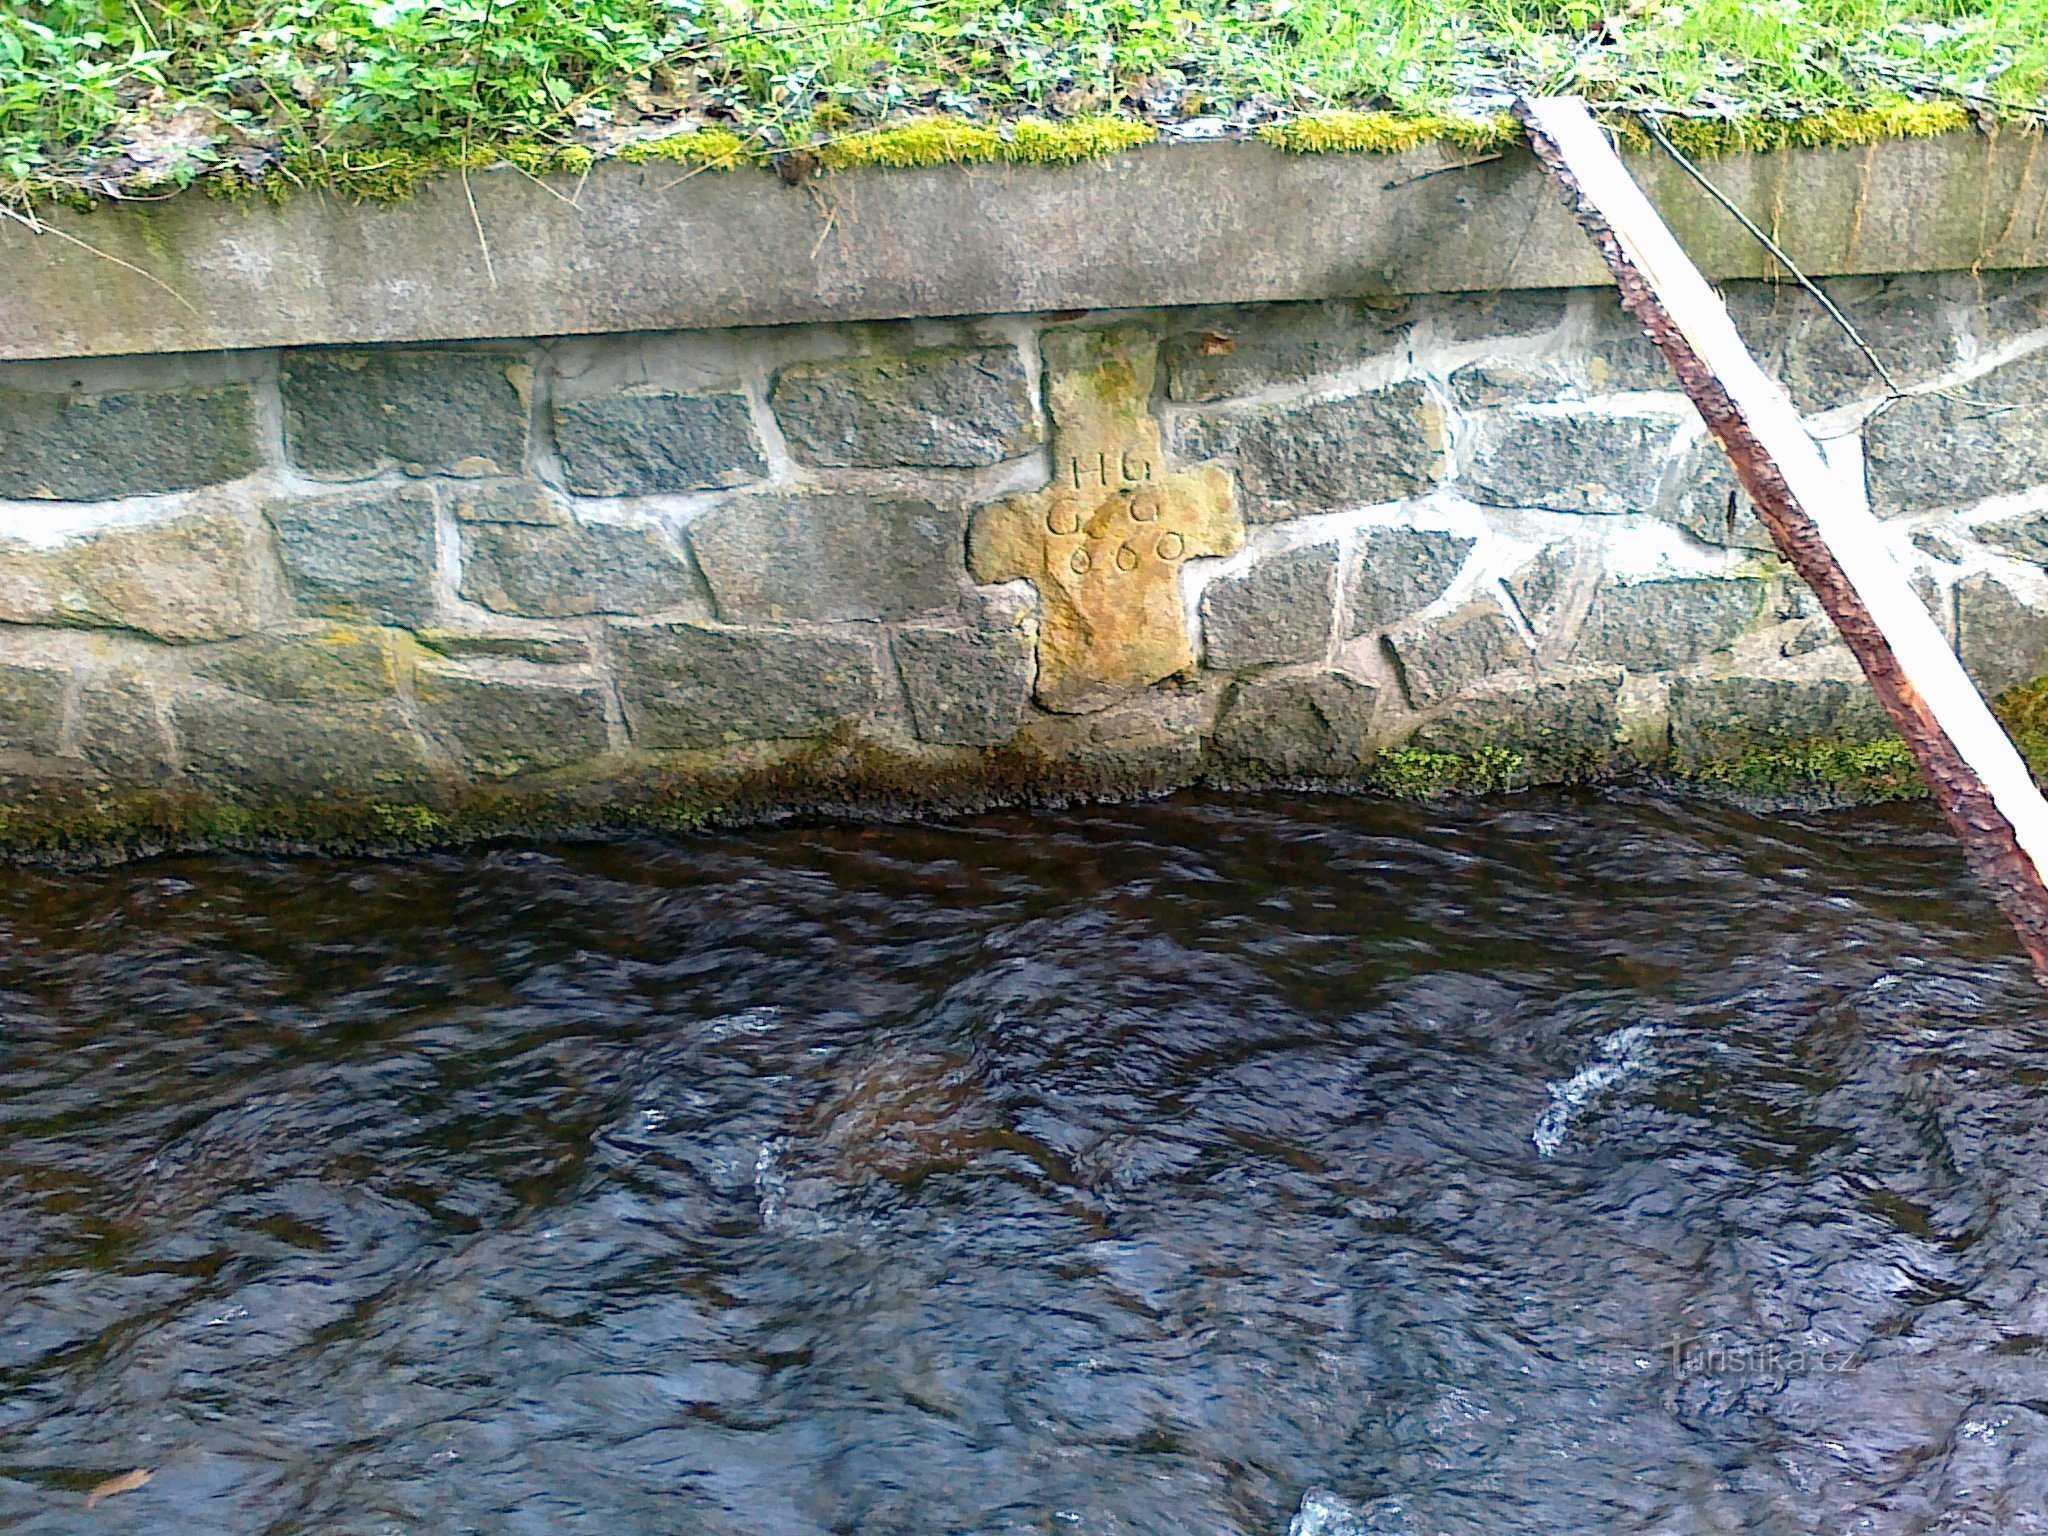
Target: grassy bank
[{"x": 124, "y": 96}]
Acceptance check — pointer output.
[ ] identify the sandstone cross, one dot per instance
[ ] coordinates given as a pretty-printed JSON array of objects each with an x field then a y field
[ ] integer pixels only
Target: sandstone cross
[{"x": 1104, "y": 542}]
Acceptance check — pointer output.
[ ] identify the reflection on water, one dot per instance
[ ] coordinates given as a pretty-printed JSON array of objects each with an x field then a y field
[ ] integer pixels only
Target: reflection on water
[{"x": 1537, "y": 1167}]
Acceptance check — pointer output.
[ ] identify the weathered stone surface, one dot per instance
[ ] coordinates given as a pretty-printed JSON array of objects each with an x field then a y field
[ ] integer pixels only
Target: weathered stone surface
[
  {"x": 1905, "y": 319},
  {"x": 91, "y": 447},
  {"x": 543, "y": 648},
  {"x": 552, "y": 572},
  {"x": 1105, "y": 541},
  {"x": 1282, "y": 609},
  {"x": 523, "y": 503},
  {"x": 313, "y": 664},
  {"x": 1297, "y": 725},
  {"x": 1806, "y": 637},
  {"x": 692, "y": 685},
  {"x": 966, "y": 689},
  {"x": 251, "y": 746},
  {"x": 1653, "y": 625},
  {"x": 314, "y": 711},
  {"x": 1456, "y": 317},
  {"x": 831, "y": 557},
  {"x": 1942, "y": 546},
  {"x": 1936, "y": 601},
  {"x": 946, "y": 408},
  {"x": 1280, "y": 344},
  {"x": 1446, "y": 657},
  {"x": 1539, "y": 586},
  {"x": 1137, "y": 746},
  {"x": 1619, "y": 357},
  {"x": 426, "y": 410},
  {"x": 646, "y": 442},
  {"x": 31, "y": 706},
  {"x": 2025, "y": 536},
  {"x": 1318, "y": 455},
  {"x": 1576, "y": 462},
  {"x": 1557, "y": 726},
  {"x": 2002, "y": 641},
  {"x": 360, "y": 555},
  {"x": 1932, "y": 451},
  {"x": 1397, "y": 571},
  {"x": 498, "y": 719},
  {"x": 1486, "y": 386},
  {"x": 1722, "y": 717},
  {"x": 206, "y": 575},
  {"x": 121, "y": 729},
  {"x": 1704, "y": 498},
  {"x": 2005, "y": 305}
]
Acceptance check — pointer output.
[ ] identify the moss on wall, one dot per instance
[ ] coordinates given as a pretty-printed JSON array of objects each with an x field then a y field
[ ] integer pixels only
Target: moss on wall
[
  {"x": 716, "y": 149},
  {"x": 1818, "y": 771},
  {"x": 387, "y": 175},
  {"x": 1342, "y": 132},
  {"x": 1836, "y": 127},
  {"x": 1410, "y": 773},
  {"x": 942, "y": 140}
]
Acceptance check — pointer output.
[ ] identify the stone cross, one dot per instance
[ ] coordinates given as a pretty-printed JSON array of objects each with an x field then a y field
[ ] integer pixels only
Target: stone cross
[{"x": 1104, "y": 542}]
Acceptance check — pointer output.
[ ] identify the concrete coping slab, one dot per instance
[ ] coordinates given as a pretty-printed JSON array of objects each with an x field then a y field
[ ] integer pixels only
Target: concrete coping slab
[{"x": 655, "y": 247}]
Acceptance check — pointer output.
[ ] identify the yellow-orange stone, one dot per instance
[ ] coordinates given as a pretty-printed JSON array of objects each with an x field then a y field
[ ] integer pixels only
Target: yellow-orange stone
[{"x": 1104, "y": 542}]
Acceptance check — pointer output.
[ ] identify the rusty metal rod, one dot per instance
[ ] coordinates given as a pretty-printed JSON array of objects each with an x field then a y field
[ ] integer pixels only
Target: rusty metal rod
[{"x": 1816, "y": 521}]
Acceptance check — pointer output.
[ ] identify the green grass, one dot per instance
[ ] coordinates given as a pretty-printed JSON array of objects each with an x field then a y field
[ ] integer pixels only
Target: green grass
[{"x": 121, "y": 96}]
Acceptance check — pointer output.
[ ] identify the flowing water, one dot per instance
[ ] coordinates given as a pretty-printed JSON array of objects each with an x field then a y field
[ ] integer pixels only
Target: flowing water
[{"x": 1541, "y": 1166}]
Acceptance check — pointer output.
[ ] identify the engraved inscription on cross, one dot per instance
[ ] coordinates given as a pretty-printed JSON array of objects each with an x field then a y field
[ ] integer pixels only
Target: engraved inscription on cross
[{"x": 1105, "y": 541}]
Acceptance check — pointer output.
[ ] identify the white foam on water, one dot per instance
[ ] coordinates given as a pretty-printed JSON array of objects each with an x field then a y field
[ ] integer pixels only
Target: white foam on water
[
  {"x": 771, "y": 1181},
  {"x": 1322, "y": 1513},
  {"x": 1623, "y": 1055}
]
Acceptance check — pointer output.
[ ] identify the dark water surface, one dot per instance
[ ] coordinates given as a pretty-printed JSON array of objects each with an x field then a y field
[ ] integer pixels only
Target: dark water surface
[{"x": 1129, "y": 1170}]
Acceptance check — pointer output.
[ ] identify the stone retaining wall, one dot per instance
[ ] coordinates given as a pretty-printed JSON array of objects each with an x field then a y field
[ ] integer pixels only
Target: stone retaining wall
[{"x": 1416, "y": 544}]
